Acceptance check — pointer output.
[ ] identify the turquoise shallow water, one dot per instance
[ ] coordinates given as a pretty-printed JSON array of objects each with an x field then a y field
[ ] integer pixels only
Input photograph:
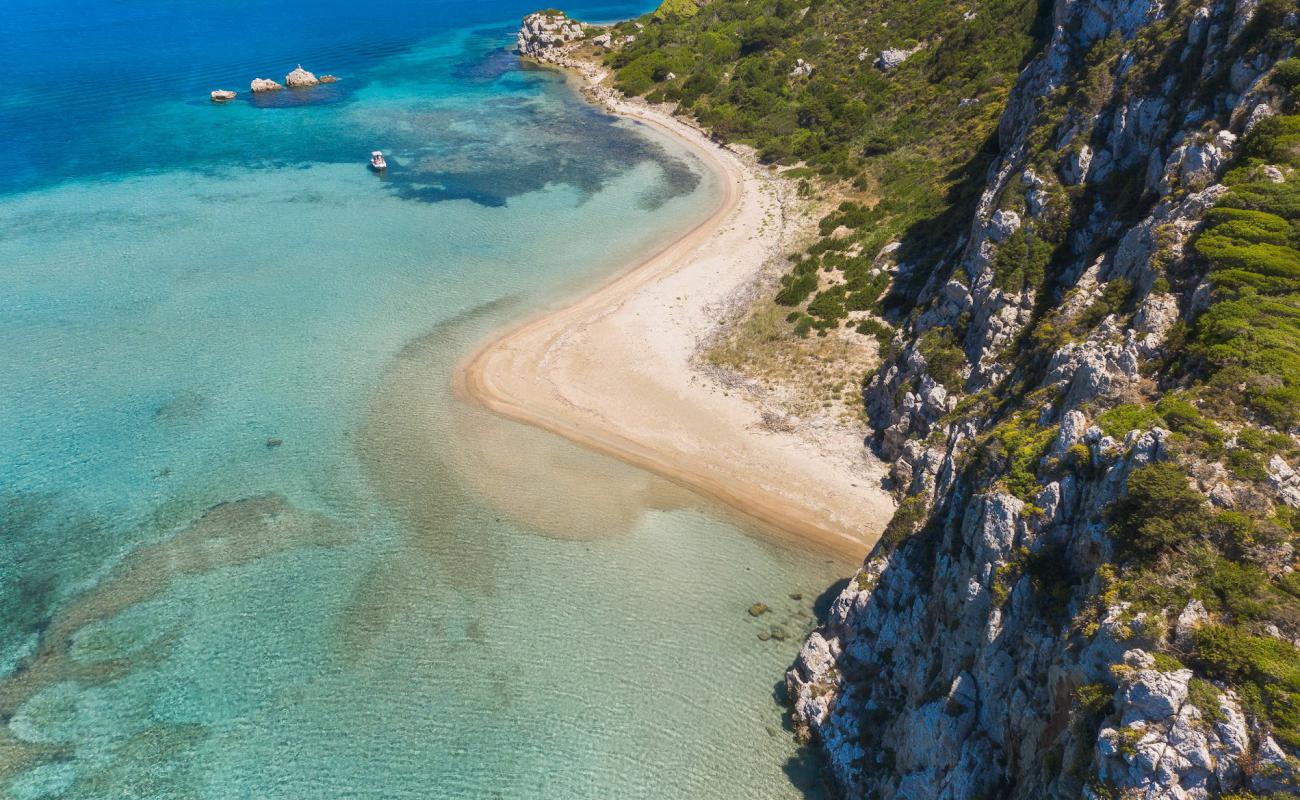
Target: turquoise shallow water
[{"x": 251, "y": 545}]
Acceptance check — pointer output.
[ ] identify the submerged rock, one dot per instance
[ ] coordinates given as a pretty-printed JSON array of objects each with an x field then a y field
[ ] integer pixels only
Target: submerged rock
[
  {"x": 758, "y": 609},
  {"x": 300, "y": 79}
]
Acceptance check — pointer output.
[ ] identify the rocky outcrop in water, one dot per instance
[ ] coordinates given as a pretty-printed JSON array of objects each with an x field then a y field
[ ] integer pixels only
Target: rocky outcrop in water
[
  {"x": 264, "y": 85},
  {"x": 546, "y": 31},
  {"x": 983, "y": 650},
  {"x": 222, "y": 95},
  {"x": 300, "y": 79}
]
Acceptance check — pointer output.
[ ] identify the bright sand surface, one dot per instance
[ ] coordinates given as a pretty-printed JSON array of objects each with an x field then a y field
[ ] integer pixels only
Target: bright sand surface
[{"x": 616, "y": 370}]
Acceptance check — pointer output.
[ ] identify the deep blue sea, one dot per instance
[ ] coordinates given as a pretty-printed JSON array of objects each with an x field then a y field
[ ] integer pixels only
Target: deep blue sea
[{"x": 251, "y": 544}]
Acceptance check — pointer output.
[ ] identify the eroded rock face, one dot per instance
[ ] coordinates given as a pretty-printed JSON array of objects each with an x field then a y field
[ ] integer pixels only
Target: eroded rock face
[
  {"x": 943, "y": 671},
  {"x": 541, "y": 32}
]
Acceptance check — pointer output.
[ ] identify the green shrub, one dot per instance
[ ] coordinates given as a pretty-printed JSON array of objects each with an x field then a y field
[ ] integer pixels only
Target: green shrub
[
  {"x": 944, "y": 358},
  {"x": 1160, "y": 513},
  {"x": 1021, "y": 262},
  {"x": 906, "y": 520},
  {"x": 796, "y": 288},
  {"x": 1287, "y": 74},
  {"x": 1119, "y": 420},
  {"x": 1266, "y": 669},
  {"x": 676, "y": 9}
]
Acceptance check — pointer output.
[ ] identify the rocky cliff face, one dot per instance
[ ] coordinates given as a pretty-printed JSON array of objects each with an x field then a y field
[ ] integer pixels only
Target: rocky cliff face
[{"x": 983, "y": 650}]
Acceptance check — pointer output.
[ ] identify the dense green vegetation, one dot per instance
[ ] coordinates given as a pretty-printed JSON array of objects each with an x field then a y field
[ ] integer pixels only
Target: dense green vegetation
[
  {"x": 1249, "y": 339},
  {"x": 909, "y": 146}
]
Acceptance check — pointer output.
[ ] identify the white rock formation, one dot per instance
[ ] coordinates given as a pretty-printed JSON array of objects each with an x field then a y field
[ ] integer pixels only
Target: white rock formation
[
  {"x": 541, "y": 32},
  {"x": 802, "y": 69},
  {"x": 300, "y": 79},
  {"x": 893, "y": 58},
  {"x": 265, "y": 85}
]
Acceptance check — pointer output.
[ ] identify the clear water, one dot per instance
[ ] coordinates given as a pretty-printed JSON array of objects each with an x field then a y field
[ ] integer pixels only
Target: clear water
[{"x": 251, "y": 544}]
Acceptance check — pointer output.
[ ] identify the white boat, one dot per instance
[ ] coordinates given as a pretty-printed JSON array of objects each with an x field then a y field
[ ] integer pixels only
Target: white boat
[{"x": 377, "y": 161}]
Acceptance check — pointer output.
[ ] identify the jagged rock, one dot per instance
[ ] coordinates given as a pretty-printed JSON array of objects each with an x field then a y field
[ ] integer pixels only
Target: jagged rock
[
  {"x": 1284, "y": 481},
  {"x": 1258, "y": 114},
  {"x": 802, "y": 69},
  {"x": 541, "y": 32},
  {"x": 1003, "y": 224},
  {"x": 1221, "y": 495},
  {"x": 222, "y": 95},
  {"x": 1073, "y": 426},
  {"x": 892, "y": 59},
  {"x": 265, "y": 85},
  {"x": 603, "y": 40},
  {"x": 329, "y": 79},
  {"x": 1192, "y": 617},
  {"x": 300, "y": 79},
  {"x": 1154, "y": 321},
  {"x": 1076, "y": 166},
  {"x": 1196, "y": 164},
  {"x": 1099, "y": 367}
]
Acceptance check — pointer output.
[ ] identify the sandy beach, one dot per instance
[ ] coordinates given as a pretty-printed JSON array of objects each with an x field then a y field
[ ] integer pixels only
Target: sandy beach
[{"x": 618, "y": 369}]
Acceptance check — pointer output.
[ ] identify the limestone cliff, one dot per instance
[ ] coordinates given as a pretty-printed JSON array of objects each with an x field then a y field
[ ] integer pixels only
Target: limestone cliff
[{"x": 1005, "y": 639}]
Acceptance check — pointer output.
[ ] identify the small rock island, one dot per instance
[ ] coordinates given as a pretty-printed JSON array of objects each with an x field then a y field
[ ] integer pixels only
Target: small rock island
[
  {"x": 300, "y": 79},
  {"x": 264, "y": 85}
]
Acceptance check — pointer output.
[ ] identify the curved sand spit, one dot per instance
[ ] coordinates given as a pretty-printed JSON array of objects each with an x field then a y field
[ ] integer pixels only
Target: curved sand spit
[{"x": 614, "y": 371}]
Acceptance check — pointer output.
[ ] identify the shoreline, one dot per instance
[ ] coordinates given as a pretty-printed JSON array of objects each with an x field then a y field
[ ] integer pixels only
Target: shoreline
[{"x": 615, "y": 370}]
